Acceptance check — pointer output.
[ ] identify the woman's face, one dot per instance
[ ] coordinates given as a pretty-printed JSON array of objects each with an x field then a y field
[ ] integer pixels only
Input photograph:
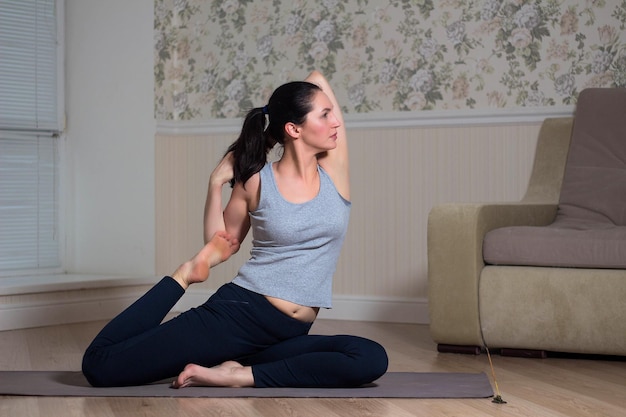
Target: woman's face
[{"x": 319, "y": 130}]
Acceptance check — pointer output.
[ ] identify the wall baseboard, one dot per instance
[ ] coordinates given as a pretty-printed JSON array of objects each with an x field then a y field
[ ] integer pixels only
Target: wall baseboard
[
  {"x": 378, "y": 309},
  {"x": 57, "y": 311},
  {"x": 47, "y": 300}
]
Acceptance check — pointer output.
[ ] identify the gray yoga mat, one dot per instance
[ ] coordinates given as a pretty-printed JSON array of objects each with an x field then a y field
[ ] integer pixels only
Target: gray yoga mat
[{"x": 390, "y": 385}]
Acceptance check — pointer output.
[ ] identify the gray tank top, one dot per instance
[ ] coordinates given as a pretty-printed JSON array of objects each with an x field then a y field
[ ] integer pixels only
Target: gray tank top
[{"x": 295, "y": 247}]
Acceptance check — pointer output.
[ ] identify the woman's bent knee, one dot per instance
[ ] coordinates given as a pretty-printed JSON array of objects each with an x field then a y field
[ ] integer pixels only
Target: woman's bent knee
[
  {"x": 370, "y": 360},
  {"x": 93, "y": 372},
  {"x": 97, "y": 372},
  {"x": 376, "y": 361}
]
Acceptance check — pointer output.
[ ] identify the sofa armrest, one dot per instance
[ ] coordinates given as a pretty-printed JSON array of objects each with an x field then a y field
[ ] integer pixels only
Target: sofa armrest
[{"x": 455, "y": 261}]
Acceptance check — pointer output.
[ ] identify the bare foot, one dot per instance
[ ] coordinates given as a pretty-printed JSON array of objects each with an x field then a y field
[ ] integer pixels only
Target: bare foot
[
  {"x": 221, "y": 246},
  {"x": 228, "y": 374}
]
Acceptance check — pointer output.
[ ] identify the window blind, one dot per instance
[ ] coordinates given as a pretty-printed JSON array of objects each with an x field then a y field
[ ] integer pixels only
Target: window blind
[{"x": 29, "y": 127}]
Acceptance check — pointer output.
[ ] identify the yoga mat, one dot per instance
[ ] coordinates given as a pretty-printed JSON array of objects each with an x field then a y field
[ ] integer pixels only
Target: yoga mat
[{"x": 390, "y": 385}]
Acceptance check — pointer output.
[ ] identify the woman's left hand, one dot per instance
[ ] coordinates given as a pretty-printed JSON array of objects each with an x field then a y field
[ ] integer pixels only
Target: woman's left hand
[{"x": 224, "y": 171}]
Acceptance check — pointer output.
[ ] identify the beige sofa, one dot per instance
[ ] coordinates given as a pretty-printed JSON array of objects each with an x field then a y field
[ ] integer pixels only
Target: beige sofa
[{"x": 516, "y": 300}]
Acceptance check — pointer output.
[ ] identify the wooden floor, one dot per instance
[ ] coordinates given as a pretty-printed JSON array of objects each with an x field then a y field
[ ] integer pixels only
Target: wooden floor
[{"x": 565, "y": 387}]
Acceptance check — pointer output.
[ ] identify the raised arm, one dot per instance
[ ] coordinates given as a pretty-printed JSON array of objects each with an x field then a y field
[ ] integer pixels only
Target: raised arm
[
  {"x": 234, "y": 218},
  {"x": 335, "y": 161}
]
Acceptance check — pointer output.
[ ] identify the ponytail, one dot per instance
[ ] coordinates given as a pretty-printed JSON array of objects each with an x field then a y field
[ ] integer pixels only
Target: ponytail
[{"x": 251, "y": 147}]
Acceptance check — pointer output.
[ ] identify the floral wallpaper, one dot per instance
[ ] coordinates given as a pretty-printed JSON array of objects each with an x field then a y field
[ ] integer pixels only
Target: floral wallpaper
[{"x": 217, "y": 59}]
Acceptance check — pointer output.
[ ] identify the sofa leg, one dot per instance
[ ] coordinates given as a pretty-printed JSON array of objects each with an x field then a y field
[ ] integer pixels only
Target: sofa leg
[
  {"x": 467, "y": 350},
  {"x": 524, "y": 353}
]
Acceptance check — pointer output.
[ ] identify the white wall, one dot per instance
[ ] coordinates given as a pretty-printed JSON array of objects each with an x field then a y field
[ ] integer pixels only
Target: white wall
[{"x": 109, "y": 168}]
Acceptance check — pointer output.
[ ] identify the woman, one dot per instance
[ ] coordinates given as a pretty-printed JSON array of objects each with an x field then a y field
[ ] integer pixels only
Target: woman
[{"x": 254, "y": 330}]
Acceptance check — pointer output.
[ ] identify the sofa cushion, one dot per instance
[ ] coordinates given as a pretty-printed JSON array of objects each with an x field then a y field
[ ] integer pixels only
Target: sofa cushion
[
  {"x": 566, "y": 244},
  {"x": 594, "y": 181}
]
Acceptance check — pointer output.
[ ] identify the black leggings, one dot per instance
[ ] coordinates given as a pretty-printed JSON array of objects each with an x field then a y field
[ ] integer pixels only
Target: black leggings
[{"x": 234, "y": 324}]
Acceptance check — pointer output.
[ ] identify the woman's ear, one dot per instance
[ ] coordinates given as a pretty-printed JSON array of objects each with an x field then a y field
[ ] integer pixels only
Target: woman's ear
[{"x": 292, "y": 129}]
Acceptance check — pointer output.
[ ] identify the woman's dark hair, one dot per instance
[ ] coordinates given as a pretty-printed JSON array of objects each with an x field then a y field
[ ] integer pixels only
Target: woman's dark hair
[{"x": 290, "y": 103}]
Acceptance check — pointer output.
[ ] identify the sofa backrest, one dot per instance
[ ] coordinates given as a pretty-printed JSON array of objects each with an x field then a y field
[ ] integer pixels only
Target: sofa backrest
[
  {"x": 546, "y": 178},
  {"x": 594, "y": 182}
]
